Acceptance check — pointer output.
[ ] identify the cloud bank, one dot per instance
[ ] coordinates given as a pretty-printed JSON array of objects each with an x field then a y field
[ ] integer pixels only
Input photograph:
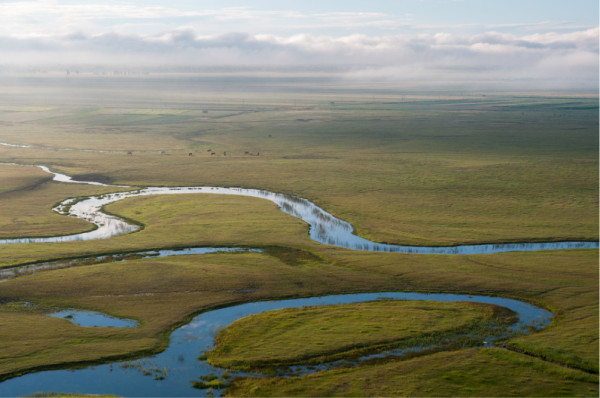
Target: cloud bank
[{"x": 567, "y": 57}]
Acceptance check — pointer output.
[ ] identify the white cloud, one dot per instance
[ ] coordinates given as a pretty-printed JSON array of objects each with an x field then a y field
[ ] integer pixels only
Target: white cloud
[{"x": 571, "y": 57}]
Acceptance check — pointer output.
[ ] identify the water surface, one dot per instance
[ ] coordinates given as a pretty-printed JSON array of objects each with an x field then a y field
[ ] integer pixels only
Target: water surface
[{"x": 93, "y": 319}]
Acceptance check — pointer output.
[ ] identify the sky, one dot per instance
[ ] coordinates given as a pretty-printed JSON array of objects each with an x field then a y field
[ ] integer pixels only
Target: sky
[{"x": 551, "y": 41}]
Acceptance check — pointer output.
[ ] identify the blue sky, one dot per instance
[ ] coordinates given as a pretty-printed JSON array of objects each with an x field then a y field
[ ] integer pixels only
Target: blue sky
[
  {"x": 447, "y": 13},
  {"x": 549, "y": 40},
  {"x": 284, "y": 17}
]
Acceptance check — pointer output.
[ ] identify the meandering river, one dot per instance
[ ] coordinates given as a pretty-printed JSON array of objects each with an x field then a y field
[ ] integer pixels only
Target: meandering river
[{"x": 324, "y": 227}]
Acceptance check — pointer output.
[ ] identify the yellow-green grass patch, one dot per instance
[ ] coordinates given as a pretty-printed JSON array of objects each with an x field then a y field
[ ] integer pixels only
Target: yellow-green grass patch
[
  {"x": 327, "y": 333},
  {"x": 470, "y": 372},
  {"x": 20, "y": 178}
]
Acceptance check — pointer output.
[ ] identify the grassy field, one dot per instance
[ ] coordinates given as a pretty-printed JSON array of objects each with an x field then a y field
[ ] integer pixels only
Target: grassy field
[
  {"x": 402, "y": 167},
  {"x": 469, "y": 372},
  {"x": 327, "y": 333}
]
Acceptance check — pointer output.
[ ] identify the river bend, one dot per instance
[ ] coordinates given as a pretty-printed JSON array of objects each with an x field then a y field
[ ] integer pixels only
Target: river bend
[{"x": 179, "y": 361}]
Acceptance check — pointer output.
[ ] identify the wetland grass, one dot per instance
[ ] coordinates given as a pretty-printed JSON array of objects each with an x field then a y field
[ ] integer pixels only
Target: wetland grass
[
  {"x": 313, "y": 335},
  {"x": 468, "y": 372}
]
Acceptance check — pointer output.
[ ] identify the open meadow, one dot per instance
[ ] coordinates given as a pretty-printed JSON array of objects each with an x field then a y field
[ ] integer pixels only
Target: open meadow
[{"x": 408, "y": 167}]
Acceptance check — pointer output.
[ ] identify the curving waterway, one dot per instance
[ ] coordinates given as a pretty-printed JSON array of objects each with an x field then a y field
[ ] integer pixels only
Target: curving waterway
[
  {"x": 324, "y": 227},
  {"x": 179, "y": 365}
]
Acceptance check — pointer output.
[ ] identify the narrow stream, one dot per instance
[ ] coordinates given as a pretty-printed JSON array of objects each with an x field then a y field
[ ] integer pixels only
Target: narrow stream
[
  {"x": 179, "y": 365},
  {"x": 324, "y": 227}
]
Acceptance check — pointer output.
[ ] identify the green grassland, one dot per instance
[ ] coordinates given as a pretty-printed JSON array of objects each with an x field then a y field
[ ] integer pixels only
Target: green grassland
[
  {"x": 408, "y": 168},
  {"x": 469, "y": 372},
  {"x": 327, "y": 333}
]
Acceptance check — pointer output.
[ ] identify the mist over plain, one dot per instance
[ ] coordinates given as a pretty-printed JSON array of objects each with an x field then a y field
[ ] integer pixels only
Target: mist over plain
[{"x": 549, "y": 61}]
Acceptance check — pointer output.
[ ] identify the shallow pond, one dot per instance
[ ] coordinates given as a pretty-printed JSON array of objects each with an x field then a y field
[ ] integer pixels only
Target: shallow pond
[
  {"x": 179, "y": 366},
  {"x": 93, "y": 319},
  {"x": 324, "y": 227}
]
